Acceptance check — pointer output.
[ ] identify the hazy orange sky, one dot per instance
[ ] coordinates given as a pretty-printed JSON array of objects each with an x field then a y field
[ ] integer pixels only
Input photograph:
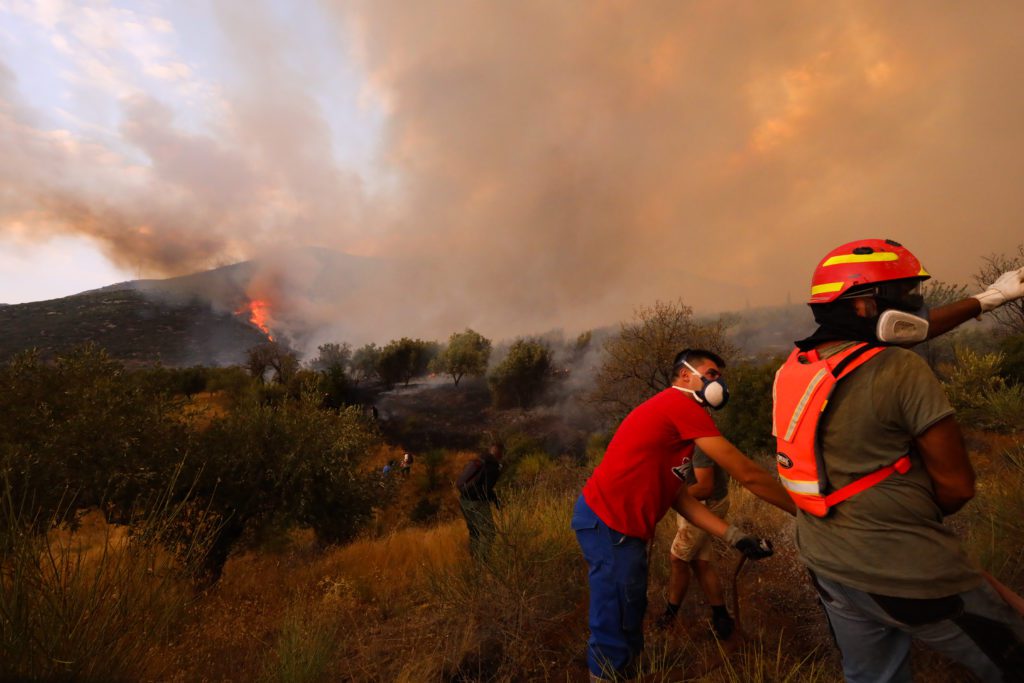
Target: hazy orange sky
[{"x": 529, "y": 164}]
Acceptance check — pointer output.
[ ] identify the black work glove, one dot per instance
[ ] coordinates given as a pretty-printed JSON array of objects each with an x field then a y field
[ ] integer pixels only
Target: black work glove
[
  {"x": 752, "y": 548},
  {"x": 755, "y": 548}
]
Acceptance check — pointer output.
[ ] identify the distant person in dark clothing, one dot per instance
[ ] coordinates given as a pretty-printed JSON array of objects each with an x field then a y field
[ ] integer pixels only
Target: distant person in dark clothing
[{"x": 476, "y": 493}]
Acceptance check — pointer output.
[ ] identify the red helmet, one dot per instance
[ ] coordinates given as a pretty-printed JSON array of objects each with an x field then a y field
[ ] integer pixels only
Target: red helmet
[{"x": 862, "y": 263}]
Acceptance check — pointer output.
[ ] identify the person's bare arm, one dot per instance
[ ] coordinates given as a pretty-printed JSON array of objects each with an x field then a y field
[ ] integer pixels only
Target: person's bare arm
[
  {"x": 748, "y": 473},
  {"x": 1007, "y": 287},
  {"x": 942, "y": 449},
  {"x": 945, "y": 318},
  {"x": 705, "y": 485},
  {"x": 698, "y": 513}
]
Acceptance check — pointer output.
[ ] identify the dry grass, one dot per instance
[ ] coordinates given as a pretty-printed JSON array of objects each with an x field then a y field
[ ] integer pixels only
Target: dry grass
[
  {"x": 410, "y": 604},
  {"x": 88, "y": 605}
]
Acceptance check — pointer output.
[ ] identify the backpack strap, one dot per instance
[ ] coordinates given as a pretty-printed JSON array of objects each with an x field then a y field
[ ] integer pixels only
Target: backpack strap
[
  {"x": 867, "y": 481},
  {"x": 840, "y": 370}
]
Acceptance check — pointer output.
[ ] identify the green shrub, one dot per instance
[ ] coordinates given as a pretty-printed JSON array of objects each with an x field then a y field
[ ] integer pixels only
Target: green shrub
[
  {"x": 1012, "y": 366},
  {"x": 83, "y": 426},
  {"x": 520, "y": 379},
  {"x": 284, "y": 464},
  {"x": 747, "y": 419},
  {"x": 980, "y": 395}
]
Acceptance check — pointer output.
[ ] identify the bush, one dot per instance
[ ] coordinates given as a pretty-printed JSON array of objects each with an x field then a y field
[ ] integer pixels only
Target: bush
[
  {"x": 81, "y": 430},
  {"x": 520, "y": 379},
  {"x": 747, "y": 419},
  {"x": 79, "y": 433},
  {"x": 282, "y": 464},
  {"x": 980, "y": 395},
  {"x": 1012, "y": 365}
]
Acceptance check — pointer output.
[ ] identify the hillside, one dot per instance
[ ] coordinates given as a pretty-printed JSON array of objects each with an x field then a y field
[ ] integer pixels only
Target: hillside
[
  {"x": 192, "y": 319},
  {"x": 132, "y": 326}
]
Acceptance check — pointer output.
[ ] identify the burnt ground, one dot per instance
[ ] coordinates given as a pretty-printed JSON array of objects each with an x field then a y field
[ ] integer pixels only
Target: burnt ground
[{"x": 433, "y": 413}]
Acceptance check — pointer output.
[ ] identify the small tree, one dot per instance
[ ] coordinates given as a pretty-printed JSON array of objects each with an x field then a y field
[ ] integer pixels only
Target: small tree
[
  {"x": 467, "y": 353},
  {"x": 364, "y": 363},
  {"x": 275, "y": 357},
  {"x": 639, "y": 359},
  {"x": 1010, "y": 316},
  {"x": 520, "y": 379},
  {"x": 333, "y": 356},
  {"x": 402, "y": 359}
]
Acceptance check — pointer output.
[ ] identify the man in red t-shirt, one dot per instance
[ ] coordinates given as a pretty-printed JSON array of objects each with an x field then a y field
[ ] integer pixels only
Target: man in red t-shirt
[{"x": 640, "y": 477}]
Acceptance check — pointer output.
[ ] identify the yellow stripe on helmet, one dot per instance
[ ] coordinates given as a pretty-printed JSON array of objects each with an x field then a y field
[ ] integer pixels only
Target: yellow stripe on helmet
[
  {"x": 826, "y": 288},
  {"x": 862, "y": 258},
  {"x": 923, "y": 273}
]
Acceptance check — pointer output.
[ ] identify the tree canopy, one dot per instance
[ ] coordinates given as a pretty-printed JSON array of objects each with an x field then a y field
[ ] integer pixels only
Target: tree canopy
[
  {"x": 466, "y": 353},
  {"x": 638, "y": 361}
]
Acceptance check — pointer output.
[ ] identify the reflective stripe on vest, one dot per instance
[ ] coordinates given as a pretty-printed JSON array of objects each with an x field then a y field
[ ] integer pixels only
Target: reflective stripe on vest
[{"x": 803, "y": 386}]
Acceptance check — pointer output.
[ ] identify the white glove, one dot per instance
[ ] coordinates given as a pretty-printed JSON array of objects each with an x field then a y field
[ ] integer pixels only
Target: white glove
[{"x": 1008, "y": 287}]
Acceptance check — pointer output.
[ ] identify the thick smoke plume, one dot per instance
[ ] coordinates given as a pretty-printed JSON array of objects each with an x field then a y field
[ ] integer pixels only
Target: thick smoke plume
[{"x": 557, "y": 164}]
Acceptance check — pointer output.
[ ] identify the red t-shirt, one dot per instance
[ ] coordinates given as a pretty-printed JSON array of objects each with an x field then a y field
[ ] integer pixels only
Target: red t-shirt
[{"x": 634, "y": 486}]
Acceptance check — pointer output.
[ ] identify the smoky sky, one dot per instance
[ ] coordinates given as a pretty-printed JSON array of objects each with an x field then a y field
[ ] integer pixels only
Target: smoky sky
[{"x": 558, "y": 164}]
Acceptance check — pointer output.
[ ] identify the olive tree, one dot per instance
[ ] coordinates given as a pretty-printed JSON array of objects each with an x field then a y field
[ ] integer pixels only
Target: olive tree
[
  {"x": 467, "y": 353},
  {"x": 520, "y": 379},
  {"x": 402, "y": 359},
  {"x": 638, "y": 360}
]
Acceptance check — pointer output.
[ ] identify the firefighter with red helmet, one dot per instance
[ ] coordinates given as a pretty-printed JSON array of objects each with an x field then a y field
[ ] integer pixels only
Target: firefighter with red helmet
[{"x": 870, "y": 452}]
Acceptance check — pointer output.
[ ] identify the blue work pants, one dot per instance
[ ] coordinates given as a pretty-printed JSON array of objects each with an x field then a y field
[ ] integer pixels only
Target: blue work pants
[
  {"x": 618, "y": 592},
  {"x": 976, "y": 628}
]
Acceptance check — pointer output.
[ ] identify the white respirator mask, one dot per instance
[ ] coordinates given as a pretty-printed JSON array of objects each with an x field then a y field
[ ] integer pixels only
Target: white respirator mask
[
  {"x": 714, "y": 394},
  {"x": 900, "y": 327}
]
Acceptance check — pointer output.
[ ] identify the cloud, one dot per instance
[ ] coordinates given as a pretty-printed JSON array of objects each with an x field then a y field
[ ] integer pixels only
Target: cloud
[{"x": 541, "y": 164}]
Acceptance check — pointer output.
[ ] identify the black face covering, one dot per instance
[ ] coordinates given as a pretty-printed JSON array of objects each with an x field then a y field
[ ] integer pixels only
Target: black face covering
[{"x": 837, "y": 321}]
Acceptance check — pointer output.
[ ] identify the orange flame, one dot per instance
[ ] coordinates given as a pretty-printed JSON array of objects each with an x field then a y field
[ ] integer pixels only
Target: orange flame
[{"x": 259, "y": 315}]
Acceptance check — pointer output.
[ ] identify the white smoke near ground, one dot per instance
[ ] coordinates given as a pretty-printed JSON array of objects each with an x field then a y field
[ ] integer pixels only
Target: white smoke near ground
[{"x": 549, "y": 165}]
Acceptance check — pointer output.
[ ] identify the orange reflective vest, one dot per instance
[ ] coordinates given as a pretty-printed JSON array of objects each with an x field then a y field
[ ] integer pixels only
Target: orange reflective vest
[{"x": 803, "y": 386}]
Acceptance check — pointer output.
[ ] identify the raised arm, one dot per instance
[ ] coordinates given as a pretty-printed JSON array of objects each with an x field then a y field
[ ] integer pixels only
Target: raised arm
[
  {"x": 1008, "y": 287},
  {"x": 748, "y": 473},
  {"x": 945, "y": 318}
]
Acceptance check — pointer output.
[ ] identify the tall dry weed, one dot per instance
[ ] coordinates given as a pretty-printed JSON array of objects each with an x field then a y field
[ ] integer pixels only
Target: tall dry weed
[
  {"x": 995, "y": 519},
  {"x": 90, "y": 605},
  {"x": 509, "y": 612}
]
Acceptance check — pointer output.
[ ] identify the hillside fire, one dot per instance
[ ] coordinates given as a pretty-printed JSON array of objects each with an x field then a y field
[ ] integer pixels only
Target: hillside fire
[{"x": 259, "y": 315}]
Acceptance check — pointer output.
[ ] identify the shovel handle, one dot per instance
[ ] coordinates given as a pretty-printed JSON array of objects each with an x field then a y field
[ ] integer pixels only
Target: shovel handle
[{"x": 1006, "y": 593}]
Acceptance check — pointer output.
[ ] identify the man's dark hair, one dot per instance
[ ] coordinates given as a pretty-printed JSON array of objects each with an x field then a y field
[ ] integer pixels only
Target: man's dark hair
[{"x": 691, "y": 355}]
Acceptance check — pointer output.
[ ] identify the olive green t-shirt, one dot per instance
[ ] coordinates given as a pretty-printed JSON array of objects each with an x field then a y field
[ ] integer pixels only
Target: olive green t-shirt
[
  {"x": 889, "y": 539},
  {"x": 720, "y": 488}
]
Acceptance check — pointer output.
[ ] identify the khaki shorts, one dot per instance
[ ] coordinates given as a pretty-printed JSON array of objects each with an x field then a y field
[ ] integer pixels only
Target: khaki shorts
[{"x": 692, "y": 542}]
